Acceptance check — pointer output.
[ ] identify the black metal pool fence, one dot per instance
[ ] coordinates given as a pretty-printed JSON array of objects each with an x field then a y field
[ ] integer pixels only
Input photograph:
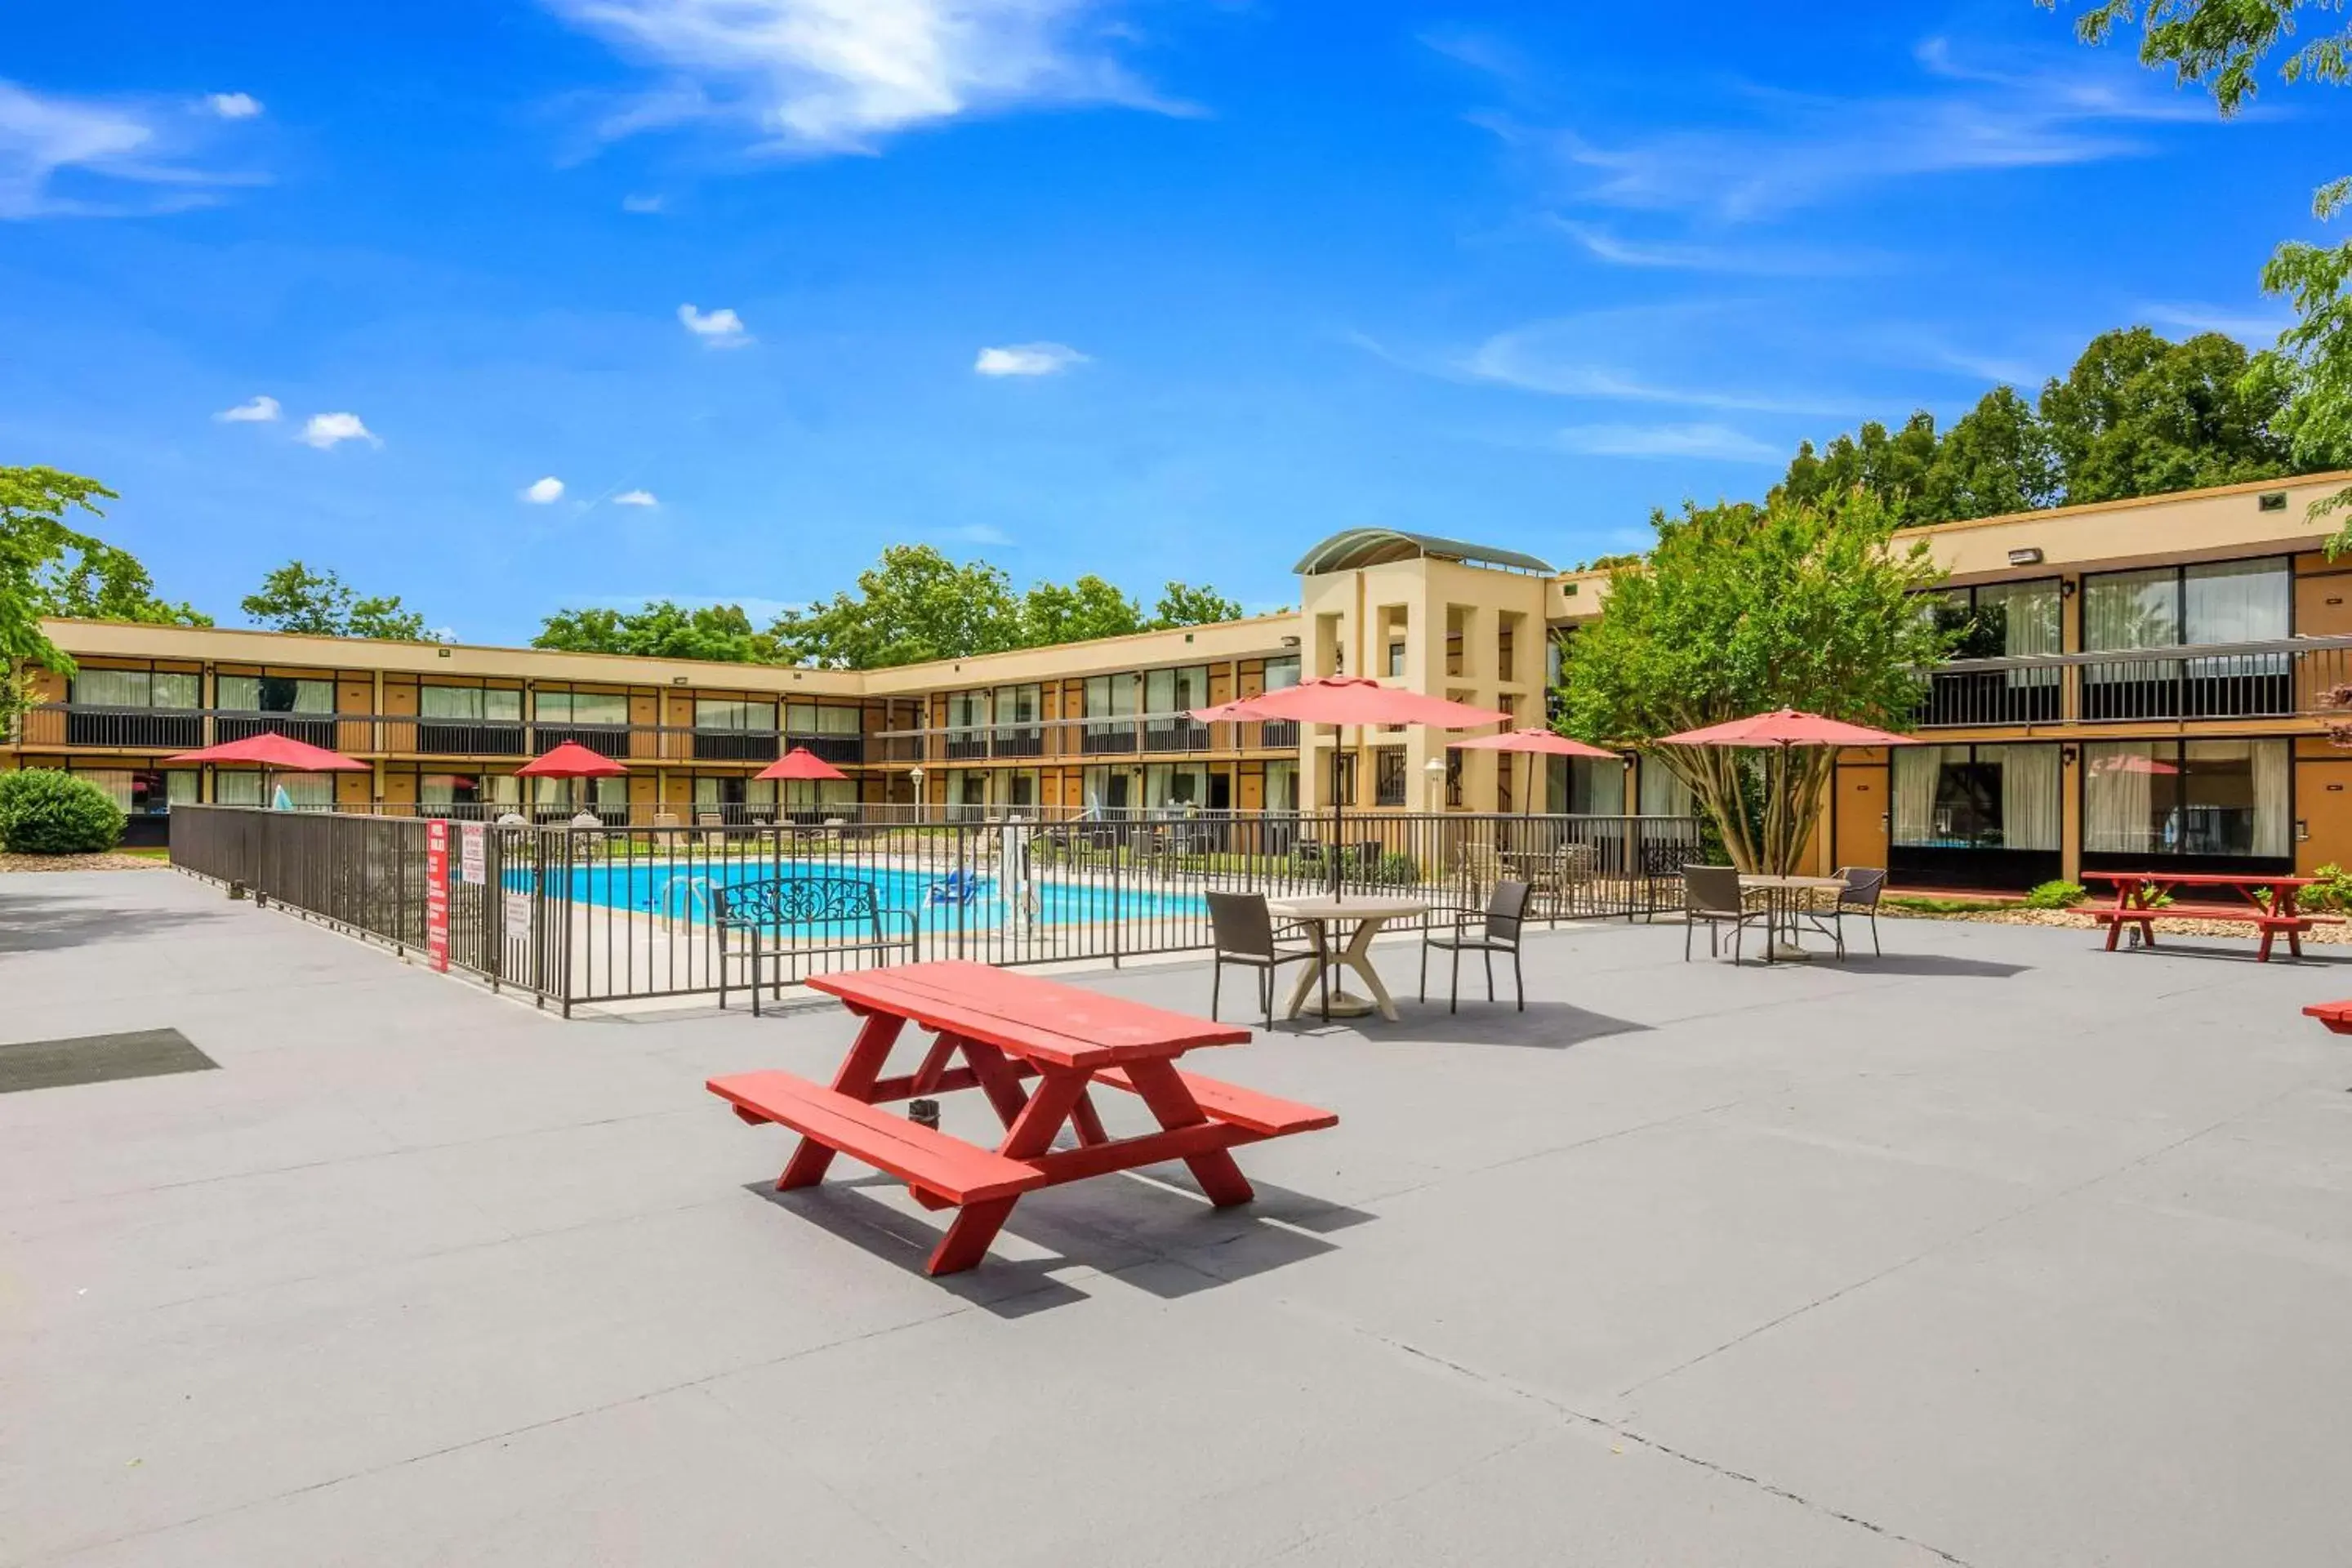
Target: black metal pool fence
[{"x": 575, "y": 913}]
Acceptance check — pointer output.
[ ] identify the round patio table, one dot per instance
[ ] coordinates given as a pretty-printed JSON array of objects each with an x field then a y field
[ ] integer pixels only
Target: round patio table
[
  {"x": 1782, "y": 896},
  {"x": 1318, "y": 915}
]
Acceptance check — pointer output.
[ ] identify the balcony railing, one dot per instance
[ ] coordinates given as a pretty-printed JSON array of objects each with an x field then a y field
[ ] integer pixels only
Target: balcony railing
[
  {"x": 1108, "y": 740},
  {"x": 2278, "y": 679},
  {"x": 1021, "y": 741},
  {"x": 965, "y": 744},
  {"x": 163, "y": 730},
  {"x": 1179, "y": 735},
  {"x": 833, "y": 748},
  {"x": 1281, "y": 733},
  {"x": 736, "y": 745}
]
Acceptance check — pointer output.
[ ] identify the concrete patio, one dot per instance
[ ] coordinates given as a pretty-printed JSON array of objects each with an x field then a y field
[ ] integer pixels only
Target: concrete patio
[{"x": 1999, "y": 1250}]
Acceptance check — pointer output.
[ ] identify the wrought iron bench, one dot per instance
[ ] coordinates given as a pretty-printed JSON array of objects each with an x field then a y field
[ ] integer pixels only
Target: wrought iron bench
[{"x": 800, "y": 906}]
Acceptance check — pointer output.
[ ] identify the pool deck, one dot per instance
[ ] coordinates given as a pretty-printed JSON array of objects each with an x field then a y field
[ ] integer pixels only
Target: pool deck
[{"x": 2000, "y": 1250}]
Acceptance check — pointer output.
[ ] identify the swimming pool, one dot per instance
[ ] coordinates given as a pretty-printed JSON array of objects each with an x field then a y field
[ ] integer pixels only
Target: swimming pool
[{"x": 683, "y": 892}]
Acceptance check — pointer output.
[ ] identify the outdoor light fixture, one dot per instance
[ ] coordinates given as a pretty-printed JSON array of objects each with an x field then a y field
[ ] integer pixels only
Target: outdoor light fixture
[
  {"x": 443, "y": 652},
  {"x": 2067, "y": 755},
  {"x": 2066, "y": 588},
  {"x": 1290, "y": 642},
  {"x": 678, "y": 680},
  {"x": 2029, "y": 556}
]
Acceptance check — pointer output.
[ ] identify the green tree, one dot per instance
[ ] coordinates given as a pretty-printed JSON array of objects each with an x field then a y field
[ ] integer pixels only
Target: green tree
[
  {"x": 913, "y": 605},
  {"x": 1181, "y": 605},
  {"x": 1089, "y": 607},
  {"x": 294, "y": 598},
  {"x": 1892, "y": 465},
  {"x": 1995, "y": 458},
  {"x": 2140, "y": 415},
  {"x": 34, "y": 537},
  {"x": 106, "y": 583},
  {"x": 662, "y": 629},
  {"x": 1739, "y": 609},
  {"x": 2222, "y": 44}
]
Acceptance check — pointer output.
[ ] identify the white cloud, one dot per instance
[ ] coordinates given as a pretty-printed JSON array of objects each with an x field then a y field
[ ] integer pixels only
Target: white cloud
[
  {"x": 636, "y": 497},
  {"x": 261, "y": 411},
  {"x": 232, "y": 105},
  {"x": 131, "y": 154},
  {"x": 1581, "y": 356},
  {"x": 835, "y": 76},
  {"x": 543, "y": 492},
  {"x": 1756, "y": 153},
  {"x": 978, "y": 534},
  {"x": 2256, "y": 329},
  {"x": 1028, "y": 359},
  {"x": 1606, "y": 245},
  {"x": 1718, "y": 443},
  {"x": 720, "y": 328},
  {"x": 643, "y": 204},
  {"x": 325, "y": 430}
]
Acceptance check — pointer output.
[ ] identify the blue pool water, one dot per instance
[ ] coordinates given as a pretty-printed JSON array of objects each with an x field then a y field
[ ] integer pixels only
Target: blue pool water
[{"x": 681, "y": 892}]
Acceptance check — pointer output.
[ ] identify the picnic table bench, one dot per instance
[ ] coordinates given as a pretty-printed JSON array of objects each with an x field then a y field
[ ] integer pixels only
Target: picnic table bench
[
  {"x": 1008, "y": 1029},
  {"x": 2135, "y": 905}
]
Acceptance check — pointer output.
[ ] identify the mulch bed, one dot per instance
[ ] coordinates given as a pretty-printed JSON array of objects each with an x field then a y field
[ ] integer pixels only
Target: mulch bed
[
  {"x": 106, "y": 862},
  {"x": 2338, "y": 931}
]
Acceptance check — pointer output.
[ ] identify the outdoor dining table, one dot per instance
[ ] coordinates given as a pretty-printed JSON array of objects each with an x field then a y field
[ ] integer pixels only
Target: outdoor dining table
[
  {"x": 1784, "y": 899},
  {"x": 1318, "y": 915},
  {"x": 996, "y": 1031}
]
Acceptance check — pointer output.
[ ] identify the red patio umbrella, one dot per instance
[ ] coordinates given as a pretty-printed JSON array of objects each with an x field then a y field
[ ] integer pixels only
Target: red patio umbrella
[
  {"x": 271, "y": 750},
  {"x": 1787, "y": 727},
  {"x": 1344, "y": 700},
  {"x": 1534, "y": 743},
  {"x": 275, "y": 752},
  {"x": 1351, "y": 700},
  {"x": 800, "y": 762},
  {"x": 572, "y": 761}
]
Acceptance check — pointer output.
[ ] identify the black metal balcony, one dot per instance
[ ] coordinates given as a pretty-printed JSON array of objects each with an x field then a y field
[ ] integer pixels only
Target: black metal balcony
[
  {"x": 316, "y": 730},
  {"x": 736, "y": 745},
  {"x": 173, "y": 730},
  {"x": 1108, "y": 740},
  {"x": 1281, "y": 733},
  {"x": 466, "y": 738},
  {"x": 962, "y": 744},
  {"x": 1018, "y": 743},
  {"x": 1179, "y": 735},
  {"x": 849, "y": 748},
  {"x": 605, "y": 740}
]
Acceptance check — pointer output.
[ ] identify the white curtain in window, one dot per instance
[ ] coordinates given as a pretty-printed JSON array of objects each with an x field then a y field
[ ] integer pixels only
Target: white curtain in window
[
  {"x": 240, "y": 787},
  {"x": 2237, "y": 601},
  {"x": 2028, "y": 612},
  {"x": 2131, "y": 609},
  {"x": 111, "y": 688},
  {"x": 182, "y": 785},
  {"x": 1595, "y": 788},
  {"x": 1916, "y": 771},
  {"x": 2029, "y": 795},
  {"x": 816, "y": 719},
  {"x": 2273, "y": 832},
  {"x": 450, "y": 702},
  {"x": 2118, "y": 795},
  {"x": 314, "y": 697},
  {"x": 115, "y": 782},
  {"x": 1281, "y": 674},
  {"x": 304, "y": 791},
  {"x": 1662, "y": 793}
]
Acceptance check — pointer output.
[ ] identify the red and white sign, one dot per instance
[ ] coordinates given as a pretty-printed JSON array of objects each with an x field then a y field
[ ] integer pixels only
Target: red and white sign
[{"x": 437, "y": 894}]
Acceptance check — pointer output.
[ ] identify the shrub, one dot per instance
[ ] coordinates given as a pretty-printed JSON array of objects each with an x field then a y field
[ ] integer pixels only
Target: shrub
[
  {"x": 2331, "y": 892},
  {"x": 43, "y": 812},
  {"x": 2056, "y": 896}
]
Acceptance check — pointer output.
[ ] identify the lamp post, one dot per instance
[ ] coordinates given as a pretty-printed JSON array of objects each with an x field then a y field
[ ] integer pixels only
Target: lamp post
[
  {"x": 1433, "y": 771},
  {"x": 916, "y": 776}
]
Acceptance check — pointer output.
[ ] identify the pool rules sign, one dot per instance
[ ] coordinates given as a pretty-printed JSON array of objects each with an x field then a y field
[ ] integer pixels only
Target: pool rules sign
[{"x": 437, "y": 894}]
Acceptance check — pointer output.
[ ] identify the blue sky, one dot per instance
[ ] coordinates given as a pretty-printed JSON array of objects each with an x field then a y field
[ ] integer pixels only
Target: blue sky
[{"x": 1167, "y": 288}]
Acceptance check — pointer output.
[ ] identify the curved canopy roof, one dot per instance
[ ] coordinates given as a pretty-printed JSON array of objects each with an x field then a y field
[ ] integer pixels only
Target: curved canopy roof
[{"x": 1354, "y": 547}]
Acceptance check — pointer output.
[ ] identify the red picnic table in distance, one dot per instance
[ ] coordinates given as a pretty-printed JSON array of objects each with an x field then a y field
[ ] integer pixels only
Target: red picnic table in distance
[
  {"x": 2137, "y": 892},
  {"x": 1009, "y": 1028}
]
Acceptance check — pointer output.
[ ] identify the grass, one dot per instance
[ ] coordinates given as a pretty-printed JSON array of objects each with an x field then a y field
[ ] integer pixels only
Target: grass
[
  {"x": 1919, "y": 906},
  {"x": 155, "y": 854}
]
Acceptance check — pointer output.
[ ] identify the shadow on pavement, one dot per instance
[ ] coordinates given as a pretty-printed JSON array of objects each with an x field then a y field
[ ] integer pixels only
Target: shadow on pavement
[{"x": 35, "y": 924}]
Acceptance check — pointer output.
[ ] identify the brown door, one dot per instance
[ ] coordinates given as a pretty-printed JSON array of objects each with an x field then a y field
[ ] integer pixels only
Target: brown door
[{"x": 1861, "y": 814}]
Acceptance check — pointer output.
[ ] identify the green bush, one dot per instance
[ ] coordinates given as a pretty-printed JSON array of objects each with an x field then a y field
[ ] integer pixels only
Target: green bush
[
  {"x": 2056, "y": 896},
  {"x": 2330, "y": 893},
  {"x": 43, "y": 812}
]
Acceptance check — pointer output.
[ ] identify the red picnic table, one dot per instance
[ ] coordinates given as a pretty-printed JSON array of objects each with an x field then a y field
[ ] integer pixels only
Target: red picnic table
[
  {"x": 1009, "y": 1028},
  {"x": 2137, "y": 893}
]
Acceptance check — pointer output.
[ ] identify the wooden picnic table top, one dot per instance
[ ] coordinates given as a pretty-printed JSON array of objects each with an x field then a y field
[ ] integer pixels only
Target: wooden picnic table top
[
  {"x": 2201, "y": 879},
  {"x": 1039, "y": 1020},
  {"x": 1320, "y": 907}
]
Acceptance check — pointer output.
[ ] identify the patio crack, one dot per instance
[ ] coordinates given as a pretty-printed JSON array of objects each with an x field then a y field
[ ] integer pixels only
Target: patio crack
[{"x": 1570, "y": 1416}]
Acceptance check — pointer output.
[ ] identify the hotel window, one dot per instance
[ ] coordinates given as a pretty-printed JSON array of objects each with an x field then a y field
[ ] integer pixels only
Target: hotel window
[
  {"x": 1996, "y": 620},
  {"x": 145, "y": 791},
  {"x": 2213, "y": 602},
  {"x": 2228, "y": 800},
  {"x": 275, "y": 694},
  {"x": 1659, "y": 793},
  {"x": 1388, "y": 775},
  {"x": 734, "y": 714},
  {"x": 821, "y": 719},
  {"x": 134, "y": 688},
  {"x": 580, "y": 708},
  {"x": 1976, "y": 797},
  {"x": 1453, "y": 777},
  {"x": 469, "y": 789},
  {"x": 1168, "y": 784},
  {"x": 1281, "y": 674},
  {"x": 1106, "y": 789},
  {"x": 470, "y": 704},
  {"x": 1176, "y": 691},
  {"x": 1282, "y": 786},
  {"x": 1588, "y": 787},
  {"x": 301, "y": 791}
]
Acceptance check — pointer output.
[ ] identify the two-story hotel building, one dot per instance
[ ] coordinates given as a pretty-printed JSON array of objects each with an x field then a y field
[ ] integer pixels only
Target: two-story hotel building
[{"x": 2152, "y": 678}]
